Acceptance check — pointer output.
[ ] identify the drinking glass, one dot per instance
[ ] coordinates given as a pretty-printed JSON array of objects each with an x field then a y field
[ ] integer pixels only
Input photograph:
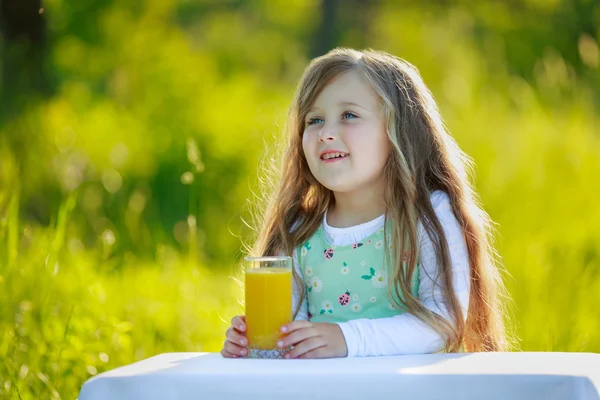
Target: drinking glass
[{"x": 268, "y": 298}]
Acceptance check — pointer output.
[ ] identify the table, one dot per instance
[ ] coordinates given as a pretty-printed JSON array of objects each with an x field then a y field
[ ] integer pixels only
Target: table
[{"x": 490, "y": 376}]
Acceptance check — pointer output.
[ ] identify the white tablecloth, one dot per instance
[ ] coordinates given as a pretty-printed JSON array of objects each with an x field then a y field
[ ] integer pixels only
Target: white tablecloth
[{"x": 489, "y": 376}]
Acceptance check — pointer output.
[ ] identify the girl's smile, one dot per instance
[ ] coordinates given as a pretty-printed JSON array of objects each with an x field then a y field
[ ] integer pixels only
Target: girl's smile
[{"x": 331, "y": 156}]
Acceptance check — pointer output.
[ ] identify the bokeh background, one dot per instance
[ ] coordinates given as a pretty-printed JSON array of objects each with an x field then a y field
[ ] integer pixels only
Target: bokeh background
[{"x": 131, "y": 136}]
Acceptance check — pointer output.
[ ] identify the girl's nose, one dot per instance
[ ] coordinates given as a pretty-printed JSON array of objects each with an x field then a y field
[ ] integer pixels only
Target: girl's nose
[{"x": 327, "y": 133}]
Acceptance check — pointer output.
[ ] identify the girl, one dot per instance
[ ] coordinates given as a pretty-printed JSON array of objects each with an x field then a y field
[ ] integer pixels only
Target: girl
[{"x": 392, "y": 254}]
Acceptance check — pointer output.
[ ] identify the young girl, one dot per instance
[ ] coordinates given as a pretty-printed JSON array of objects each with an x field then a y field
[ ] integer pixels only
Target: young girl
[{"x": 392, "y": 253}]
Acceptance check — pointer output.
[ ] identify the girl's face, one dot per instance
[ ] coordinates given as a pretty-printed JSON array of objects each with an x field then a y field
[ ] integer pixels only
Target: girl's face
[{"x": 344, "y": 138}]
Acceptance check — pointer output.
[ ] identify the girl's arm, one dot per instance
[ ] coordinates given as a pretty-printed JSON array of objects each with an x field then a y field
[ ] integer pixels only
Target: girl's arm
[{"x": 404, "y": 333}]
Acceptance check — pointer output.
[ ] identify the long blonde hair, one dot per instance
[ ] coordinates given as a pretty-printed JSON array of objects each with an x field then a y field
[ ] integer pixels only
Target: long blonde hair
[{"x": 423, "y": 158}]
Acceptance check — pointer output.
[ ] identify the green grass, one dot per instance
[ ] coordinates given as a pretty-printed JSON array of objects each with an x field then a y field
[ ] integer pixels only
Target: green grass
[{"x": 66, "y": 318}]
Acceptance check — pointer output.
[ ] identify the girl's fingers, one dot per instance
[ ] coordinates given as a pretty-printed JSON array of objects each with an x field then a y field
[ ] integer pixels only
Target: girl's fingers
[
  {"x": 239, "y": 322},
  {"x": 316, "y": 353},
  {"x": 236, "y": 337},
  {"x": 227, "y": 354},
  {"x": 304, "y": 347},
  {"x": 296, "y": 337},
  {"x": 295, "y": 325},
  {"x": 234, "y": 346},
  {"x": 234, "y": 349}
]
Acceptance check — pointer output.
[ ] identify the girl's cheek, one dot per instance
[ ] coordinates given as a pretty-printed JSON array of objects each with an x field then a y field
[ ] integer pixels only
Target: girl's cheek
[{"x": 307, "y": 140}]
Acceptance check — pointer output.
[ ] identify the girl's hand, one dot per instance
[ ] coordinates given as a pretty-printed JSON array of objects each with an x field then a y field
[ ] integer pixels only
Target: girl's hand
[
  {"x": 313, "y": 340},
  {"x": 236, "y": 344}
]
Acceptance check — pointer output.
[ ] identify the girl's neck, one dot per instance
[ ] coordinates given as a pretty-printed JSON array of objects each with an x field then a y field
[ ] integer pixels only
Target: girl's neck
[{"x": 354, "y": 209}]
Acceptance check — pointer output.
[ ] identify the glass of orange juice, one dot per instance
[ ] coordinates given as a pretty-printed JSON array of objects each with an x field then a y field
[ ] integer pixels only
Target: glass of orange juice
[{"x": 268, "y": 298}]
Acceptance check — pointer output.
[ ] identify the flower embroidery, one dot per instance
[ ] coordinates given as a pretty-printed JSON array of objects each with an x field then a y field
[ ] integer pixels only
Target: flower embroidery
[
  {"x": 308, "y": 270},
  {"x": 379, "y": 244},
  {"x": 392, "y": 306},
  {"x": 379, "y": 280},
  {"x": 363, "y": 263},
  {"x": 373, "y": 299},
  {"x": 356, "y": 245},
  {"x": 345, "y": 269},
  {"x": 315, "y": 284},
  {"x": 327, "y": 306},
  {"x": 305, "y": 248},
  {"x": 380, "y": 231},
  {"x": 311, "y": 310},
  {"x": 355, "y": 297},
  {"x": 356, "y": 307}
]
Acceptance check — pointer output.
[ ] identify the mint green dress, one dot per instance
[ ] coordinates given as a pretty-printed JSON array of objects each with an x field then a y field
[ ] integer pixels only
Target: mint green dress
[{"x": 348, "y": 282}]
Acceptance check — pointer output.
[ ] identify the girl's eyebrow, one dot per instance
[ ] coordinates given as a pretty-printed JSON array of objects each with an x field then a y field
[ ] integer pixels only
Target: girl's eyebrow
[{"x": 341, "y": 103}]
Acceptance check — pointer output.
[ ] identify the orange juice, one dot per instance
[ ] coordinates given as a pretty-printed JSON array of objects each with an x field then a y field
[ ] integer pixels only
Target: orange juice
[{"x": 268, "y": 305}]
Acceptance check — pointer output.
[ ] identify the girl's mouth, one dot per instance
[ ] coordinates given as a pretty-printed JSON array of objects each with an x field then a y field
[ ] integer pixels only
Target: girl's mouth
[{"x": 333, "y": 156}]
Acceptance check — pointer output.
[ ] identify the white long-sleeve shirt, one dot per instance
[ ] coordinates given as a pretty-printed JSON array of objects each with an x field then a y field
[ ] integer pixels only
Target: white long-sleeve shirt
[{"x": 403, "y": 333}]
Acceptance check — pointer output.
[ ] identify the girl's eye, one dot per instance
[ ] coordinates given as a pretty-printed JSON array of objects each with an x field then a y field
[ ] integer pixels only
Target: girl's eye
[{"x": 317, "y": 120}]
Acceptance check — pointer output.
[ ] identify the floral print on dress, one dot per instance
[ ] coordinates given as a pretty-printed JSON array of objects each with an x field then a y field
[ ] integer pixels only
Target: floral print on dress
[
  {"x": 315, "y": 284},
  {"x": 345, "y": 269},
  {"x": 350, "y": 281},
  {"x": 326, "y": 307},
  {"x": 305, "y": 248},
  {"x": 379, "y": 280}
]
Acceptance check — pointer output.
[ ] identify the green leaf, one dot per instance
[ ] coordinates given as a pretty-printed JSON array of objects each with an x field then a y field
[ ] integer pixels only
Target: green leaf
[
  {"x": 372, "y": 271},
  {"x": 345, "y": 265},
  {"x": 322, "y": 311},
  {"x": 367, "y": 277}
]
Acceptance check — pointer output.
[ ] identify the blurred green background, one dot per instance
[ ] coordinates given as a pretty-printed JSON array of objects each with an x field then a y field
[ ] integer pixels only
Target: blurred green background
[{"x": 131, "y": 134}]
